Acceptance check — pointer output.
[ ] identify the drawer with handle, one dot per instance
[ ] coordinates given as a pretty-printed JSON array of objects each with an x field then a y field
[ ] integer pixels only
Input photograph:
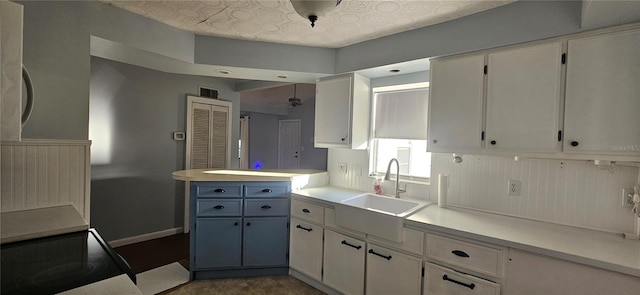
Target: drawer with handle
[
  {"x": 217, "y": 190},
  {"x": 218, "y": 207},
  {"x": 477, "y": 258},
  {"x": 267, "y": 190},
  {"x": 441, "y": 280},
  {"x": 307, "y": 211},
  {"x": 266, "y": 207}
]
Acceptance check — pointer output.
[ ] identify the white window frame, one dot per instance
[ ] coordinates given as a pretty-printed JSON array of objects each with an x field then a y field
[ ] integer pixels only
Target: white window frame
[{"x": 373, "y": 142}]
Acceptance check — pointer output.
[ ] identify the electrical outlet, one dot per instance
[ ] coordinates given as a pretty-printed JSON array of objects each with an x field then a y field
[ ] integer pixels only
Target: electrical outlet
[
  {"x": 342, "y": 167},
  {"x": 514, "y": 187},
  {"x": 627, "y": 197}
]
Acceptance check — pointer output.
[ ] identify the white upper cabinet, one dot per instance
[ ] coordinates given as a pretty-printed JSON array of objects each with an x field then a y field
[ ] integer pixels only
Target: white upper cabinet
[
  {"x": 342, "y": 112},
  {"x": 524, "y": 99},
  {"x": 603, "y": 94},
  {"x": 455, "y": 104}
]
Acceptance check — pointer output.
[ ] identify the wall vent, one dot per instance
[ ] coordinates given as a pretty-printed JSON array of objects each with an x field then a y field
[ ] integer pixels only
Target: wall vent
[{"x": 207, "y": 92}]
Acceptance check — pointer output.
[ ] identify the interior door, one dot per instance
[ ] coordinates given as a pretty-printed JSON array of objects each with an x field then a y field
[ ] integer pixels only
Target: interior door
[{"x": 289, "y": 144}]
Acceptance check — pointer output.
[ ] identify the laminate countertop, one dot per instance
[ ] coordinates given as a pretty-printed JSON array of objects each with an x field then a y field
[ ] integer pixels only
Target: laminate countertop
[
  {"x": 599, "y": 249},
  {"x": 246, "y": 175}
]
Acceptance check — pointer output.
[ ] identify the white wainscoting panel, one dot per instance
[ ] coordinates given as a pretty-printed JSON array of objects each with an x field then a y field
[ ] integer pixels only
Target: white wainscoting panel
[
  {"x": 575, "y": 193},
  {"x": 44, "y": 173}
]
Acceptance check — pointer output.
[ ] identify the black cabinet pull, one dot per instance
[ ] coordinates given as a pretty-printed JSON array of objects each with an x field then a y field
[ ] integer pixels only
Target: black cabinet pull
[
  {"x": 304, "y": 228},
  {"x": 305, "y": 210},
  {"x": 493, "y": 142},
  {"x": 248, "y": 223},
  {"x": 470, "y": 286},
  {"x": 574, "y": 143},
  {"x": 460, "y": 253},
  {"x": 351, "y": 245},
  {"x": 378, "y": 254},
  {"x": 235, "y": 224},
  {"x": 435, "y": 141},
  {"x": 267, "y": 190},
  {"x": 218, "y": 190},
  {"x": 265, "y": 207},
  {"x": 218, "y": 207}
]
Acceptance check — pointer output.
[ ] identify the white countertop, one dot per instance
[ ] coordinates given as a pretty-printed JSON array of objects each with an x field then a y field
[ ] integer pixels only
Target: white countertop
[
  {"x": 36, "y": 223},
  {"x": 600, "y": 249},
  {"x": 120, "y": 285},
  {"x": 242, "y": 175}
]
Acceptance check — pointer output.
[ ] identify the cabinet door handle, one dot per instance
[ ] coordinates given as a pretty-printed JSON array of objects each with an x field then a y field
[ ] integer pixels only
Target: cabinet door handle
[
  {"x": 470, "y": 286},
  {"x": 265, "y": 207},
  {"x": 574, "y": 143},
  {"x": 248, "y": 223},
  {"x": 493, "y": 142},
  {"x": 305, "y": 210},
  {"x": 218, "y": 207},
  {"x": 351, "y": 245},
  {"x": 304, "y": 228},
  {"x": 460, "y": 253},
  {"x": 378, "y": 254},
  {"x": 218, "y": 190},
  {"x": 267, "y": 190},
  {"x": 235, "y": 224}
]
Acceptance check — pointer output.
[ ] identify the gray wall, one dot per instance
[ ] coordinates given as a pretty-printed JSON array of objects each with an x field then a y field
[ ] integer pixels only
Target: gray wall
[
  {"x": 133, "y": 112},
  {"x": 311, "y": 157},
  {"x": 263, "y": 138}
]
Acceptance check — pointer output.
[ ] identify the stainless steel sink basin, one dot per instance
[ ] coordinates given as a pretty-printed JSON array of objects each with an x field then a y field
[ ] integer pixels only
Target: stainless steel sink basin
[{"x": 376, "y": 215}]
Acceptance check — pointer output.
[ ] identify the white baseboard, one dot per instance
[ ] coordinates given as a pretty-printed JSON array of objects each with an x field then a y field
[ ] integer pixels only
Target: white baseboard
[{"x": 145, "y": 237}]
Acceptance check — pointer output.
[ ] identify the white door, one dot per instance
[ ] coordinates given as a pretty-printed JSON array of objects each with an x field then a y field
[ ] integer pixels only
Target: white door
[
  {"x": 333, "y": 111},
  {"x": 385, "y": 268},
  {"x": 523, "y": 99},
  {"x": 289, "y": 144},
  {"x": 305, "y": 248},
  {"x": 344, "y": 263},
  {"x": 603, "y": 94},
  {"x": 455, "y": 104}
]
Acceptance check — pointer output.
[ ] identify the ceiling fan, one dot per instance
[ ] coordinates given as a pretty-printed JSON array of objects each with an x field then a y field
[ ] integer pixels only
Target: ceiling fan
[{"x": 294, "y": 101}]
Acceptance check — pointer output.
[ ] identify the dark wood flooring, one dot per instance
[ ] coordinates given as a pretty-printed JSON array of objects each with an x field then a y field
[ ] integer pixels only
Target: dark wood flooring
[{"x": 150, "y": 254}]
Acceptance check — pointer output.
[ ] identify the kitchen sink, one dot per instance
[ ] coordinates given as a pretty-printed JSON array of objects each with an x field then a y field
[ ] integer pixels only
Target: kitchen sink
[{"x": 377, "y": 215}]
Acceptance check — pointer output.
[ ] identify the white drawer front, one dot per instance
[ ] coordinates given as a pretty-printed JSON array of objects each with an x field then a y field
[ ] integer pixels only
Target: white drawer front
[
  {"x": 330, "y": 221},
  {"x": 307, "y": 211},
  {"x": 440, "y": 280},
  {"x": 478, "y": 258},
  {"x": 413, "y": 241}
]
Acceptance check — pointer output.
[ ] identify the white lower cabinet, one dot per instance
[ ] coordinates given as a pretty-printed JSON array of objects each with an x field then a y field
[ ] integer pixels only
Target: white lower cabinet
[
  {"x": 441, "y": 280},
  {"x": 532, "y": 274},
  {"x": 305, "y": 248},
  {"x": 344, "y": 263},
  {"x": 391, "y": 272}
]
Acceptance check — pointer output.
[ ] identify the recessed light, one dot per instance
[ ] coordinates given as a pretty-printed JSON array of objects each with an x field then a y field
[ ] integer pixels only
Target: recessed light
[
  {"x": 394, "y": 71},
  {"x": 282, "y": 76},
  {"x": 225, "y": 72}
]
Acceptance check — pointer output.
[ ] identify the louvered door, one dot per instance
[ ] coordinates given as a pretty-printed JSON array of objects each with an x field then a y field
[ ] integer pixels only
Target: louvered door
[{"x": 208, "y": 133}]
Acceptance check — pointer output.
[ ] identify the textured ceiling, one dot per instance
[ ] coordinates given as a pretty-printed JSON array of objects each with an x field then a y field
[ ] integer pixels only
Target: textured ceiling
[{"x": 275, "y": 21}]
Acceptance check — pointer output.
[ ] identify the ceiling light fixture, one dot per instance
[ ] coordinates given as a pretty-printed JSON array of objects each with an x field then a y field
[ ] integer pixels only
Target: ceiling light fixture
[{"x": 312, "y": 9}]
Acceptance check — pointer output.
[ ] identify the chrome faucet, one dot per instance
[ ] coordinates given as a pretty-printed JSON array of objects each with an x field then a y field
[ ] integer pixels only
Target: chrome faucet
[{"x": 387, "y": 176}]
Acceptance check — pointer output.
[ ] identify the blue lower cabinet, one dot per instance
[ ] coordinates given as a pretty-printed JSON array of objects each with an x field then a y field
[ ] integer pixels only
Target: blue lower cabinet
[
  {"x": 239, "y": 229},
  {"x": 218, "y": 242},
  {"x": 265, "y": 241}
]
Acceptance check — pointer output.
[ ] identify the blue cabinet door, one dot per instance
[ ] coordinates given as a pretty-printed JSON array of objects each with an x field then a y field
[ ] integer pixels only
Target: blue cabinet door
[
  {"x": 266, "y": 241},
  {"x": 218, "y": 242}
]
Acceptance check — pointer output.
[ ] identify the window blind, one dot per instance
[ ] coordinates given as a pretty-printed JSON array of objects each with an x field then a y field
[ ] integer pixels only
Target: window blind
[{"x": 401, "y": 114}]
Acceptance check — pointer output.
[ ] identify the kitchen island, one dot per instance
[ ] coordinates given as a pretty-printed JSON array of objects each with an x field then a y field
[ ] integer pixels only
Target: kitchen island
[{"x": 239, "y": 219}]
